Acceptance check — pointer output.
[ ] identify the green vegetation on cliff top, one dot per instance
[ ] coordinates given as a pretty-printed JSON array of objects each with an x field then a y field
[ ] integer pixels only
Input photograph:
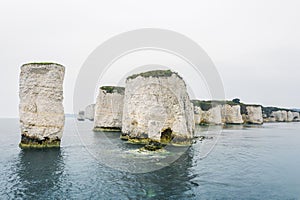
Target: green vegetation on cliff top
[
  {"x": 113, "y": 89},
  {"x": 206, "y": 105},
  {"x": 42, "y": 63},
  {"x": 154, "y": 73},
  {"x": 268, "y": 110}
]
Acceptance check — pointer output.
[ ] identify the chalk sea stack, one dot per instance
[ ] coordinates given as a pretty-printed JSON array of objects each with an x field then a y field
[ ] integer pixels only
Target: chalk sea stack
[
  {"x": 80, "y": 115},
  {"x": 231, "y": 114},
  {"x": 252, "y": 114},
  {"x": 41, "y": 109},
  {"x": 208, "y": 112},
  {"x": 109, "y": 109},
  {"x": 157, "y": 107},
  {"x": 90, "y": 112},
  {"x": 218, "y": 112}
]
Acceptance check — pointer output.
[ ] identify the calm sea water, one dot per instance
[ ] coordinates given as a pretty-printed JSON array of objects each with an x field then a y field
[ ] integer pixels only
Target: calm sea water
[{"x": 246, "y": 163}]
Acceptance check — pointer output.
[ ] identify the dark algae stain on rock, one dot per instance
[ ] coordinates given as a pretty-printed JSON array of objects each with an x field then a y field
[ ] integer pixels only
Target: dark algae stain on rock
[{"x": 34, "y": 142}]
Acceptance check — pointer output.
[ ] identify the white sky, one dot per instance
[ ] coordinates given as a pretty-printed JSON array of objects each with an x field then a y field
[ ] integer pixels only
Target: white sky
[{"x": 254, "y": 44}]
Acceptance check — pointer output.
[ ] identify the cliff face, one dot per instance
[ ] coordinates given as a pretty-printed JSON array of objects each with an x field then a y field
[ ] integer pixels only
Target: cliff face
[
  {"x": 197, "y": 114},
  {"x": 274, "y": 114},
  {"x": 280, "y": 115},
  {"x": 90, "y": 112},
  {"x": 157, "y": 107},
  {"x": 253, "y": 115},
  {"x": 231, "y": 114},
  {"x": 207, "y": 112},
  {"x": 296, "y": 116},
  {"x": 212, "y": 116},
  {"x": 109, "y": 109},
  {"x": 290, "y": 116},
  {"x": 41, "y": 110}
]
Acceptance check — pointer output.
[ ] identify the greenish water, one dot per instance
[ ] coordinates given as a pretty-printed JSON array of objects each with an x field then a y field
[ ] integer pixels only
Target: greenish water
[{"x": 246, "y": 163}]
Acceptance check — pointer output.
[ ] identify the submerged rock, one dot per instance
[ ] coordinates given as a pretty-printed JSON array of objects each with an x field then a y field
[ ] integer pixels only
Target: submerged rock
[
  {"x": 153, "y": 146},
  {"x": 252, "y": 114},
  {"x": 109, "y": 109},
  {"x": 90, "y": 112},
  {"x": 157, "y": 107},
  {"x": 41, "y": 109}
]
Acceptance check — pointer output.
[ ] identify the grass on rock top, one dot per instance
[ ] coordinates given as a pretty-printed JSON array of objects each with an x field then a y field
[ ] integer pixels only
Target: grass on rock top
[
  {"x": 113, "y": 89},
  {"x": 42, "y": 63},
  {"x": 154, "y": 73}
]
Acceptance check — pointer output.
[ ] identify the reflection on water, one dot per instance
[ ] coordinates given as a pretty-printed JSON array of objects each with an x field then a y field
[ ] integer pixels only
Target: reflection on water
[
  {"x": 176, "y": 183},
  {"x": 39, "y": 172},
  {"x": 246, "y": 163}
]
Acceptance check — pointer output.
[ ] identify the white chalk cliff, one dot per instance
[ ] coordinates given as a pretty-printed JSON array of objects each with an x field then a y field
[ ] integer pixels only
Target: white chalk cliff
[
  {"x": 231, "y": 114},
  {"x": 109, "y": 109},
  {"x": 296, "y": 116},
  {"x": 253, "y": 115},
  {"x": 41, "y": 109},
  {"x": 280, "y": 115},
  {"x": 212, "y": 116},
  {"x": 157, "y": 107},
  {"x": 197, "y": 114}
]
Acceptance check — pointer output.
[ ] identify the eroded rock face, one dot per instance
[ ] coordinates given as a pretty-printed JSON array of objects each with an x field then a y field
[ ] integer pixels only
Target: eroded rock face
[
  {"x": 290, "y": 116},
  {"x": 231, "y": 114},
  {"x": 296, "y": 117},
  {"x": 280, "y": 115},
  {"x": 213, "y": 116},
  {"x": 109, "y": 109},
  {"x": 157, "y": 107},
  {"x": 41, "y": 109},
  {"x": 197, "y": 114},
  {"x": 90, "y": 112},
  {"x": 253, "y": 115}
]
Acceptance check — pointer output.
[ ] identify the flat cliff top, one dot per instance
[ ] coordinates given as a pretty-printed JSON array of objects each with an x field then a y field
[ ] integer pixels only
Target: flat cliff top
[
  {"x": 113, "y": 89},
  {"x": 206, "y": 105},
  {"x": 154, "y": 73},
  {"x": 42, "y": 63}
]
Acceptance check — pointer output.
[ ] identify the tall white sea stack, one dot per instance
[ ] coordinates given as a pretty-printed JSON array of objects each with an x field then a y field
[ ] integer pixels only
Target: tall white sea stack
[
  {"x": 207, "y": 112},
  {"x": 231, "y": 114},
  {"x": 252, "y": 114},
  {"x": 109, "y": 109},
  {"x": 41, "y": 109},
  {"x": 157, "y": 107}
]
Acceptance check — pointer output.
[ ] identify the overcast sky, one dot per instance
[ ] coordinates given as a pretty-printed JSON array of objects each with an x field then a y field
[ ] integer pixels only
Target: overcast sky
[{"x": 254, "y": 44}]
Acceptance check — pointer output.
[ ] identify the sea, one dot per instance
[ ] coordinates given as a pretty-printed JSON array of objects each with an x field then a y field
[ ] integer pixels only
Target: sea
[{"x": 233, "y": 162}]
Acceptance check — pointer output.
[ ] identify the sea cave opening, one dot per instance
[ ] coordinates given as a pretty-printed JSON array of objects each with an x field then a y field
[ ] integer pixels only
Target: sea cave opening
[
  {"x": 295, "y": 118},
  {"x": 166, "y": 135}
]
